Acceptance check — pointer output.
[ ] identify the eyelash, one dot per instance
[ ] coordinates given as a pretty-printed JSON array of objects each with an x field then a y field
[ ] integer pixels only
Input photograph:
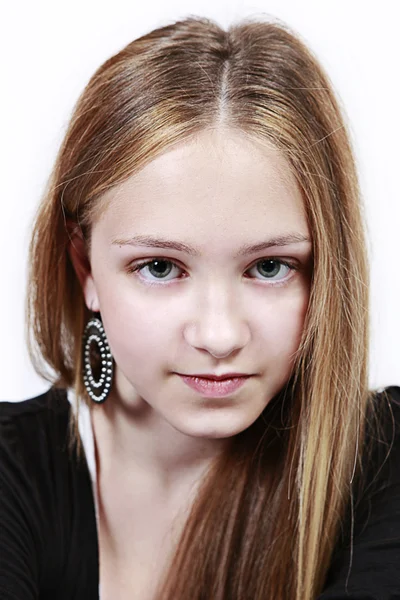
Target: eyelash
[{"x": 136, "y": 268}]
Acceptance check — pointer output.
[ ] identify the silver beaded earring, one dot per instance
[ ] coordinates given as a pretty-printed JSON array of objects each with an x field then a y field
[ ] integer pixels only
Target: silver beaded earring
[{"x": 97, "y": 378}]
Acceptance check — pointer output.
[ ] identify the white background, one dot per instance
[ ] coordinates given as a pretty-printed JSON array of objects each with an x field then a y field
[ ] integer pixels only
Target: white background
[{"x": 49, "y": 50}]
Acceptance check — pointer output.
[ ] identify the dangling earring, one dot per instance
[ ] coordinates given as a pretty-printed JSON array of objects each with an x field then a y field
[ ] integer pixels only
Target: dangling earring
[{"x": 98, "y": 390}]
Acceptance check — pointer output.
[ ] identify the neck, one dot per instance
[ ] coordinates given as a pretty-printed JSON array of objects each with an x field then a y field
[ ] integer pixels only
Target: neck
[{"x": 133, "y": 440}]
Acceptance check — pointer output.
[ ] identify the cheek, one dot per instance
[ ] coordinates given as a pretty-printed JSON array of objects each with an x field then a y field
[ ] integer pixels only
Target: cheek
[
  {"x": 137, "y": 331},
  {"x": 283, "y": 324}
]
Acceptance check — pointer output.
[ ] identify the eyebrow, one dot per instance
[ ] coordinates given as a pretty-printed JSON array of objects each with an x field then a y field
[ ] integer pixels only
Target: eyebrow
[{"x": 244, "y": 250}]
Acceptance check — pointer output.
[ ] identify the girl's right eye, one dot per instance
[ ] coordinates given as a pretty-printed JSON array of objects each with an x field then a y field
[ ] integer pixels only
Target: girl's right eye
[{"x": 158, "y": 263}]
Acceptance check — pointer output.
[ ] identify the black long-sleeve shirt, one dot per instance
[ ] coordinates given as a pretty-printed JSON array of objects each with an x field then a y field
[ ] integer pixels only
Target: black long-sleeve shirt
[{"x": 48, "y": 530}]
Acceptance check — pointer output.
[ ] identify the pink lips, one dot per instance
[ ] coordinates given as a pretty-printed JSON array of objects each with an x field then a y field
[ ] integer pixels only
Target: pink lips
[{"x": 212, "y": 388}]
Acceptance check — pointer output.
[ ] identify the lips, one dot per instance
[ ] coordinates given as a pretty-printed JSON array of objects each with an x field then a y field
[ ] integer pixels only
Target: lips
[
  {"x": 217, "y": 377},
  {"x": 212, "y": 388}
]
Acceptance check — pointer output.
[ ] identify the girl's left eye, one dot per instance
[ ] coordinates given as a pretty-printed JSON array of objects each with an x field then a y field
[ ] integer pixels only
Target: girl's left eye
[{"x": 269, "y": 268}]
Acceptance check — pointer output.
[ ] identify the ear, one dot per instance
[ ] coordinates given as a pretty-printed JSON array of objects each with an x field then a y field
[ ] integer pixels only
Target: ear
[{"x": 77, "y": 250}]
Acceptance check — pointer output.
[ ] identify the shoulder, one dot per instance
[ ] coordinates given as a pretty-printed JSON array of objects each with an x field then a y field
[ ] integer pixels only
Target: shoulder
[
  {"x": 366, "y": 560},
  {"x": 378, "y": 485},
  {"x": 54, "y": 400},
  {"x": 386, "y": 404},
  {"x": 46, "y": 504},
  {"x": 34, "y": 449},
  {"x": 382, "y": 441},
  {"x": 33, "y": 426}
]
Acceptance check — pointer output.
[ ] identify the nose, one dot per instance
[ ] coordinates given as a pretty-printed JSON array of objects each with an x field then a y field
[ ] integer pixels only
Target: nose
[{"x": 219, "y": 326}]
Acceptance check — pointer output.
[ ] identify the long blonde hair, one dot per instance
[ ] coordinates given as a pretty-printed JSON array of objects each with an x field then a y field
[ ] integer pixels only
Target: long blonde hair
[{"x": 266, "y": 519}]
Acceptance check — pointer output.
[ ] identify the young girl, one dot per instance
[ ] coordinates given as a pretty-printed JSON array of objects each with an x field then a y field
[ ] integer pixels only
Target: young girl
[{"x": 199, "y": 290}]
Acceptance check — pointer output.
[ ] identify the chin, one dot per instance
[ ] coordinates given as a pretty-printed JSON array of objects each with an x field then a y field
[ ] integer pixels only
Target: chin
[{"x": 216, "y": 427}]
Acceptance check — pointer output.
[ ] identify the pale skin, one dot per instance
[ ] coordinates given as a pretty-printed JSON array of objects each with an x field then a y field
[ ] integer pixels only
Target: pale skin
[{"x": 209, "y": 312}]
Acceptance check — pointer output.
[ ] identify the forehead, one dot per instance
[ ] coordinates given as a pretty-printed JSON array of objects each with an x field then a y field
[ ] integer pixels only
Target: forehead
[{"x": 218, "y": 181}]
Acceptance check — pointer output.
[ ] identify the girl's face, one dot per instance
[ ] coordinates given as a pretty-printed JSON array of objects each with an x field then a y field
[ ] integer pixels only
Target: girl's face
[{"x": 200, "y": 264}]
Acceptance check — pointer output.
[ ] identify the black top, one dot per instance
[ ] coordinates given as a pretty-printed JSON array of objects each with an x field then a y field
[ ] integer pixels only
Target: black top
[{"x": 48, "y": 533}]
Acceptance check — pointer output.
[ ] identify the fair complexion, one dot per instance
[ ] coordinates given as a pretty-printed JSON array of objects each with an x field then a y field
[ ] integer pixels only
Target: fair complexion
[{"x": 209, "y": 309}]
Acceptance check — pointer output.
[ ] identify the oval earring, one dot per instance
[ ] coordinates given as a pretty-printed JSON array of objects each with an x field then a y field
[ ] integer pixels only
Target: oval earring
[{"x": 99, "y": 388}]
